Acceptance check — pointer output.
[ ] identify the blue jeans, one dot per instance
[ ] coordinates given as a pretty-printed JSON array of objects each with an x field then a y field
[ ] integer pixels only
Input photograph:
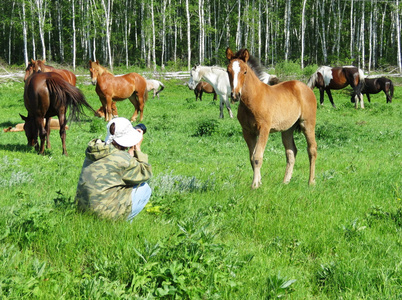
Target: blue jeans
[{"x": 139, "y": 198}]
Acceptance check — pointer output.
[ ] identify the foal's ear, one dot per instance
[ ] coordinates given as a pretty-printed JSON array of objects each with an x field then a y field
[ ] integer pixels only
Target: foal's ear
[
  {"x": 245, "y": 55},
  {"x": 23, "y": 118},
  {"x": 229, "y": 53}
]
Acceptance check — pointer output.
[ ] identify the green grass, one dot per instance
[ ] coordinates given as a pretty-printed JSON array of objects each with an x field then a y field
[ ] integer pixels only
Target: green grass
[{"x": 205, "y": 233}]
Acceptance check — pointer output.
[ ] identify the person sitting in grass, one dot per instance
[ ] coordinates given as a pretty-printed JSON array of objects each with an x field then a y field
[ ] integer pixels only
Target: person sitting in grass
[{"x": 113, "y": 183}]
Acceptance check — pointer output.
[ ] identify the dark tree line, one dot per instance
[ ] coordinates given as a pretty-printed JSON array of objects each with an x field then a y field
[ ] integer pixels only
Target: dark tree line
[{"x": 161, "y": 33}]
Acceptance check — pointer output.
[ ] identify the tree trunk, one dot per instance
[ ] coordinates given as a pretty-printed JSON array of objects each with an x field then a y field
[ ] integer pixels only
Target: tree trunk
[
  {"x": 302, "y": 32},
  {"x": 398, "y": 36},
  {"x": 188, "y": 36},
  {"x": 41, "y": 10},
  {"x": 24, "y": 33}
]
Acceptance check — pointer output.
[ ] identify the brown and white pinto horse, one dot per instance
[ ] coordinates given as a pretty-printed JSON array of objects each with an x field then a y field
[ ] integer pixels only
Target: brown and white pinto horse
[
  {"x": 327, "y": 79},
  {"x": 47, "y": 95},
  {"x": 39, "y": 66},
  {"x": 263, "y": 109},
  {"x": 109, "y": 87}
]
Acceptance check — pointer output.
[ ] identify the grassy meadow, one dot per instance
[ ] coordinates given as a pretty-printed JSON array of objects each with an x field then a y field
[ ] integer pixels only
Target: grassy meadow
[{"x": 205, "y": 234}]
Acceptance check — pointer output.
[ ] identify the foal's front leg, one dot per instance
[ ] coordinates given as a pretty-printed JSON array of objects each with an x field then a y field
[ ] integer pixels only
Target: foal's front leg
[{"x": 257, "y": 156}]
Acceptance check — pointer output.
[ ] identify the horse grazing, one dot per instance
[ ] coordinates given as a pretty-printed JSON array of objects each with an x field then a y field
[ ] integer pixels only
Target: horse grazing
[
  {"x": 218, "y": 78},
  {"x": 100, "y": 112},
  {"x": 156, "y": 86},
  {"x": 284, "y": 107},
  {"x": 47, "y": 95},
  {"x": 327, "y": 79},
  {"x": 109, "y": 87},
  {"x": 39, "y": 66},
  {"x": 376, "y": 85},
  {"x": 204, "y": 87}
]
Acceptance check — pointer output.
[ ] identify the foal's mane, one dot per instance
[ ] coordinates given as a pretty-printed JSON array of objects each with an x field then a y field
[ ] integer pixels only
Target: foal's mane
[{"x": 253, "y": 62}]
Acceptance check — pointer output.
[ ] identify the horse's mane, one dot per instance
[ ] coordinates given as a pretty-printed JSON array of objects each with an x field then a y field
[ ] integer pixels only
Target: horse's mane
[{"x": 254, "y": 63}]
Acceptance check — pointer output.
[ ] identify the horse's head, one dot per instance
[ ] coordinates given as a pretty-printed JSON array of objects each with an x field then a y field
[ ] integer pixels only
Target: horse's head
[
  {"x": 195, "y": 77},
  {"x": 31, "y": 131},
  {"x": 29, "y": 70},
  {"x": 94, "y": 75},
  {"x": 237, "y": 71}
]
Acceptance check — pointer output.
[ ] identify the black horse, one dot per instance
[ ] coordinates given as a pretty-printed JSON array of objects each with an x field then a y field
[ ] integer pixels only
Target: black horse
[{"x": 376, "y": 85}]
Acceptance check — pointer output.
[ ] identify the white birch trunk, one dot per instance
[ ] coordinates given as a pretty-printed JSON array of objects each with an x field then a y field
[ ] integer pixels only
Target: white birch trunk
[
  {"x": 41, "y": 10},
  {"x": 398, "y": 36},
  {"x": 202, "y": 31},
  {"x": 163, "y": 34},
  {"x": 74, "y": 34},
  {"x": 24, "y": 33},
  {"x": 107, "y": 8},
  {"x": 60, "y": 30},
  {"x": 188, "y": 36},
  {"x": 153, "y": 36},
  {"x": 303, "y": 32},
  {"x": 287, "y": 28},
  {"x": 238, "y": 32}
]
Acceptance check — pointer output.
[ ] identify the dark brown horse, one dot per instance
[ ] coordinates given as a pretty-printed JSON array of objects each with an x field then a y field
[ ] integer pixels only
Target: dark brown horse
[
  {"x": 109, "y": 87},
  {"x": 47, "y": 95},
  {"x": 327, "y": 79},
  {"x": 263, "y": 109},
  {"x": 376, "y": 85},
  {"x": 39, "y": 65},
  {"x": 204, "y": 87}
]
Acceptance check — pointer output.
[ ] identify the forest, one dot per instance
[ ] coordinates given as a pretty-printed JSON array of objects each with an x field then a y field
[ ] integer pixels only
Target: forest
[{"x": 163, "y": 34}]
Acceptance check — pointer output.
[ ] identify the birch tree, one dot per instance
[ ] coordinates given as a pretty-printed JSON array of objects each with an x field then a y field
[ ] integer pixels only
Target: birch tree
[
  {"x": 107, "y": 10},
  {"x": 188, "y": 36},
  {"x": 41, "y": 13},
  {"x": 303, "y": 29},
  {"x": 24, "y": 33},
  {"x": 398, "y": 36}
]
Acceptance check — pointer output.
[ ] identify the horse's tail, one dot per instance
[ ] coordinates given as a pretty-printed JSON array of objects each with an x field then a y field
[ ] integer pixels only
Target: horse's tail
[
  {"x": 360, "y": 85},
  {"x": 162, "y": 86},
  {"x": 312, "y": 81},
  {"x": 391, "y": 88},
  {"x": 69, "y": 96}
]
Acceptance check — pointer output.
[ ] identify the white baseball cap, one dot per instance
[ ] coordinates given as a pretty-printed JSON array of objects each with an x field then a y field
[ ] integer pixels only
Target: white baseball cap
[{"x": 124, "y": 135}]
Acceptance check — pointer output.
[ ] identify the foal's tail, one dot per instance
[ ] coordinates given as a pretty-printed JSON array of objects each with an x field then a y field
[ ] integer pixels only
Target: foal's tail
[{"x": 69, "y": 96}]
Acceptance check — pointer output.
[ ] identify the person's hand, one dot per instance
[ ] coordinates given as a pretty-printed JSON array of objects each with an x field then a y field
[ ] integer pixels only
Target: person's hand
[{"x": 138, "y": 145}]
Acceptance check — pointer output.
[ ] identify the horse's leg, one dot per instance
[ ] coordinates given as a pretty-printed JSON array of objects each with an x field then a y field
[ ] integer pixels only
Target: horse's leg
[
  {"x": 221, "y": 106},
  {"x": 291, "y": 152},
  {"x": 251, "y": 140},
  {"x": 368, "y": 98},
  {"x": 308, "y": 129},
  {"x": 321, "y": 96},
  {"x": 330, "y": 97},
  {"x": 108, "y": 110},
  {"x": 42, "y": 133},
  {"x": 360, "y": 99},
  {"x": 227, "y": 103},
  {"x": 62, "y": 124},
  {"x": 257, "y": 156},
  {"x": 201, "y": 95},
  {"x": 136, "y": 104},
  {"x": 47, "y": 128}
]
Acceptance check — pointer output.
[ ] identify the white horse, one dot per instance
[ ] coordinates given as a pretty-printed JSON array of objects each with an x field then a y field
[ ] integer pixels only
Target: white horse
[
  {"x": 155, "y": 85},
  {"x": 218, "y": 78}
]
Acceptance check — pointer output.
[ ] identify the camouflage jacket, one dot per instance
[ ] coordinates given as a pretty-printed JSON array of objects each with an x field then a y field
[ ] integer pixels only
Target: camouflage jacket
[{"x": 107, "y": 179}]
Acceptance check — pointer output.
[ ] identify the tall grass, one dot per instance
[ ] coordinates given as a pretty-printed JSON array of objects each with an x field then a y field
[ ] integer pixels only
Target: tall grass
[{"x": 205, "y": 233}]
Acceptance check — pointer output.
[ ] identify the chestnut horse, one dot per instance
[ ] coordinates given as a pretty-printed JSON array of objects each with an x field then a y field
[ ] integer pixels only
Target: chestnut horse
[
  {"x": 327, "y": 79},
  {"x": 109, "y": 87},
  {"x": 47, "y": 95},
  {"x": 204, "y": 87},
  {"x": 284, "y": 107},
  {"x": 376, "y": 85},
  {"x": 39, "y": 65}
]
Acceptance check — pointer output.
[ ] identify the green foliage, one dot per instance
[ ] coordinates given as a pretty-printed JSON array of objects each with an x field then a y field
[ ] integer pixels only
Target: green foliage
[{"x": 207, "y": 128}]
